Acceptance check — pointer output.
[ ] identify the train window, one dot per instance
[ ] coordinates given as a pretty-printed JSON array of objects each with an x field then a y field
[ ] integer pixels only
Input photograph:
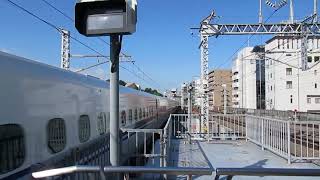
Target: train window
[
  {"x": 130, "y": 115},
  {"x": 102, "y": 123},
  {"x": 152, "y": 110},
  {"x": 12, "y": 147},
  {"x": 136, "y": 114},
  {"x": 84, "y": 128},
  {"x": 147, "y": 112},
  {"x": 123, "y": 117},
  {"x": 140, "y": 113},
  {"x": 56, "y": 135}
]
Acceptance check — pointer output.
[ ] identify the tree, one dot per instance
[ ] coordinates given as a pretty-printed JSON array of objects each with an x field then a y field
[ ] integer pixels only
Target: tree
[
  {"x": 152, "y": 91},
  {"x": 122, "y": 83}
]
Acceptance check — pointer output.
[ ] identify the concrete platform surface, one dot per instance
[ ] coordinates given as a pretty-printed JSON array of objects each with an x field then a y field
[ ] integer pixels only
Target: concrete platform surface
[{"x": 231, "y": 154}]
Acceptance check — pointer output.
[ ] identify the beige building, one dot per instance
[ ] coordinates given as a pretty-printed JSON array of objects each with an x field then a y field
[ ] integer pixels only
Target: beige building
[{"x": 217, "y": 78}]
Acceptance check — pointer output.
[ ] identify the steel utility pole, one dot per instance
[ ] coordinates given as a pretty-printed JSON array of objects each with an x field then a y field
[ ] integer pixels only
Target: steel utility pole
[
  {"x": 291, "y": 18},
  {"x": 115, "y": 149},
  {"x": 204, "y": 48},
  {"x": 315, "y": 10},
  {"x": 190, "y": 88},
  {"x": 224, "y": 99},
  {"x": 65, "y": 49},
  {"x": 260, "y": 12}
]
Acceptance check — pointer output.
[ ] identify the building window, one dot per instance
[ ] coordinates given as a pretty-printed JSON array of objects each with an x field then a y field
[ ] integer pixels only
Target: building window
[
  {"x": 315, "y": 72},
  {"x": 140, "y": 113},
  {"x": 316, "y": 58},
  {"x": 84, "y": 128},
  {"x": 144, "y": 113},
  {"x": 291, "y": 99},
  {"x": 270, "y": 75},
  {"x": 317, "y": 100},
  {"x": 56, "y": 135},
  {"x": 12, "y": 147},
  {"x": 130, "y": 115},
  {"x": 271, "y": 88},
  {"x": 136, "y": 114},
  {"x": 315, "y": 85},
  {"x": 289, "y": 71},
  {"x": 147, "y": 112},
  {"x": 289, "y": 84},
  {"x": 102, "y": 123},
  {"x": 309, "y": 59},
  {"x": 309, "y": 100},
  {"x": 123, "y": 117}
]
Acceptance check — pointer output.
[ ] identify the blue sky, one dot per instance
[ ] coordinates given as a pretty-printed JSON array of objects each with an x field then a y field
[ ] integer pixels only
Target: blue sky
[{"x": 163, "y": 46}]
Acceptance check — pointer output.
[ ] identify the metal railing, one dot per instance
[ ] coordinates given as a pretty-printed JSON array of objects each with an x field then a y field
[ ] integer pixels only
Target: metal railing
[
  {"x": 226, "y": 126},
  {"x": 101, "y": 172},
  {"x": 138, "y": 135},
  {"x": 288, "y": 115},
  {"x": 180, "y": 124},
  {"x": 290, "y": 140}
]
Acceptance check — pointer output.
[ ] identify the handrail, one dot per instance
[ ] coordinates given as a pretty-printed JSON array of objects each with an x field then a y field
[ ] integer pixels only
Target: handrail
[
  {"x": 230, "y": 172},
  {"x": 123, "y": 169}
]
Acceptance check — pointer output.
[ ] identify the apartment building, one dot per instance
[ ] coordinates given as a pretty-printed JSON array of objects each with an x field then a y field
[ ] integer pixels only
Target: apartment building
[
  {"x": 248, "y": 79},
  {"x": 217, "y": 78},
  {"x": 287, "y": 86}
]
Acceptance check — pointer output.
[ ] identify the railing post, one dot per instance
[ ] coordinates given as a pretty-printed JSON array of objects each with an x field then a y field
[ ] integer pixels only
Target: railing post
[
  {"x": 289, "y": 142},
  {"x": 246, "y": 121},
  {"x": 161, "y": 150},
  {"x": 262, "y": 134}
]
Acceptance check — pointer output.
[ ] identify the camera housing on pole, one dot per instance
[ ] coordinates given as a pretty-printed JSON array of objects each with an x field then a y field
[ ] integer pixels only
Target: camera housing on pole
[{"x": 106, "y": 17}]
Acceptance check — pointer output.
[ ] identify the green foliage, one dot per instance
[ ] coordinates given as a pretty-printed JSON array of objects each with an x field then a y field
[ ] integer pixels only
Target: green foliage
[
  {"x": 153, "y": 91},
  {"x": 122, "y": 83}
]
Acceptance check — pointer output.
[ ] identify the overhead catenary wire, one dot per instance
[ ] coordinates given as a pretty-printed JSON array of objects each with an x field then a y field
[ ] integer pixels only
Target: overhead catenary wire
[
  {"x": 60, "y": 30},
  {"x": 230, "y": 58},
  {"x": 125, "y": 55}
]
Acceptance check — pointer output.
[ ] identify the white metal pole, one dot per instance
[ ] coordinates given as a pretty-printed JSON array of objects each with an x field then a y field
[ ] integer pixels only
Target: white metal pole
[
  {"x": 114, "y": 102},
  {"x": 289, "y": 146},
  {"x": 260, "y": 13},
  {"x": 224, "y": 99},
  {"x": 315, "y": 10},
  {"x": 291, "y": 17}
]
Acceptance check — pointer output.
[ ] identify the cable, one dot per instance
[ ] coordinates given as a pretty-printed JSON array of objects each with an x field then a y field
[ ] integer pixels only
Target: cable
[
  {"x": 72, "y": 20},
  {"x": 35, "y": 16},
  {"x": 59, "y": 30},
  {"x": 231, "y": 57}
]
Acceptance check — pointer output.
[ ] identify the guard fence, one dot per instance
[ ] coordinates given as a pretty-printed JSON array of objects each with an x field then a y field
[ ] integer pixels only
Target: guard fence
[
  {"x": 288, "y": 115},
  {"x": 294, "y": 141},
  {"x": 291, "y": 140}
]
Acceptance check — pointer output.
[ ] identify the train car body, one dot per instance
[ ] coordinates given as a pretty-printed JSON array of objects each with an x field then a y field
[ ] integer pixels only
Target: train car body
[{"x": 46, "y": 110}]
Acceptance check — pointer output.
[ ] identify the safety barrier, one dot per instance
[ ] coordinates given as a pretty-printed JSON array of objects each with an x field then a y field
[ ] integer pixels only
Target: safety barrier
[
  {"x": 226, "y": 126},
  {"x": 138, "y": 135},
  {"x": 288, "y": 139},
  {"x": 96, "y": 172}
]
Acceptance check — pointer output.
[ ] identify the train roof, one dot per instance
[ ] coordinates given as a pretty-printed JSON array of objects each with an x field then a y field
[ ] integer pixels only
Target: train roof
[{"x": 84, "y": 79}]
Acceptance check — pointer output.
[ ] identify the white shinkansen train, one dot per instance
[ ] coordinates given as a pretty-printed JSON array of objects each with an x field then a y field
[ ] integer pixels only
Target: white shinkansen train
[{"x": 47, "y": 110}]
